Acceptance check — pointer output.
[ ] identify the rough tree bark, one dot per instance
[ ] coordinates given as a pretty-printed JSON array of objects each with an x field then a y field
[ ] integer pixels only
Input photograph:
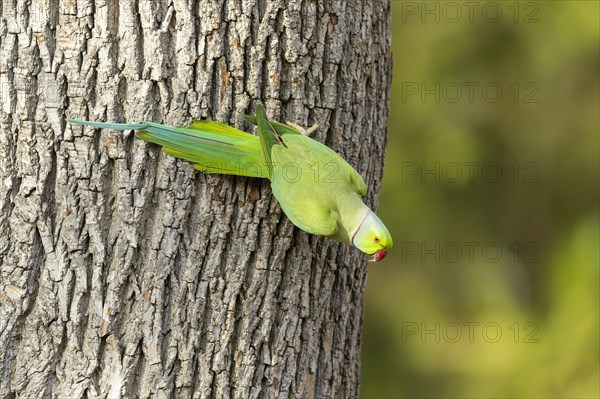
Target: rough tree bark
[{"x": 125, "y": 272}]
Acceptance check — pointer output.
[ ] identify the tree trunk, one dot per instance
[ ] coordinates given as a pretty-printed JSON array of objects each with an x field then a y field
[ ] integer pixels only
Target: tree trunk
[{"x": 125, "y": 272}]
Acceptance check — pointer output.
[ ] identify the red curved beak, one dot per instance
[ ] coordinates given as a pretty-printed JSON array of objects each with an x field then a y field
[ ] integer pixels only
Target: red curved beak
[{"x": 379, "y": 255}]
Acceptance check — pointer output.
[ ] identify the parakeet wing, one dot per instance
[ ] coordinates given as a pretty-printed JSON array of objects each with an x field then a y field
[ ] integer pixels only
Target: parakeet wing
[
  {"x": 282, "y": 130},
  {"x": 291, "y": 183},
  {"x": 307, "y": 182}
]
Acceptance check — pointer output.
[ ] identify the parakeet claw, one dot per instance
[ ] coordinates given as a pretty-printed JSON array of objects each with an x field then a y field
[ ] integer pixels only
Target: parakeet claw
[
  {"x": 311, "y": 129},
  {"x": 306, "y": 132}
]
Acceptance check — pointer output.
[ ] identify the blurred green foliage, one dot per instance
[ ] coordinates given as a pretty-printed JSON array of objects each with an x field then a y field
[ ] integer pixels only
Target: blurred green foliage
[{"x": 492, "y": 289}]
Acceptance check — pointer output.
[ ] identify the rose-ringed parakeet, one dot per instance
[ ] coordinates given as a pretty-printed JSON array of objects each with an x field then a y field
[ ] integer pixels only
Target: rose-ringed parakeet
[{"x": 316, "y": 188}]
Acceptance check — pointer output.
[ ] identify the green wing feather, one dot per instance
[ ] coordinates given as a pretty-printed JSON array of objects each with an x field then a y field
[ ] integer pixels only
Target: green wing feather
[
  {"x": 268, "y": 137},
  {"x": 280, "y": 128}
]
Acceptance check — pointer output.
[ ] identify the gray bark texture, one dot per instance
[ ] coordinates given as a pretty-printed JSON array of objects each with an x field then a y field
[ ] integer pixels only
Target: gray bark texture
[{"x": 127, "y": 273}]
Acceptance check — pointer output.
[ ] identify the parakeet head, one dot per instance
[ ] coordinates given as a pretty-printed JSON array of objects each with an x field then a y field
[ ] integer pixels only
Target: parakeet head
[{"x": 372, "y": 237}]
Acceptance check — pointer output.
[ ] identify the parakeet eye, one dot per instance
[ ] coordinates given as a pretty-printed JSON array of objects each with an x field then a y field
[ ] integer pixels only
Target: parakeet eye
[{"x": 377, "y": 240}]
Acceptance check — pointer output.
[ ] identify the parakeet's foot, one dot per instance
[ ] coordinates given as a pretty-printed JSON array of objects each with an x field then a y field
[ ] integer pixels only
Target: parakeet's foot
[{"x": 306, "y": 132}]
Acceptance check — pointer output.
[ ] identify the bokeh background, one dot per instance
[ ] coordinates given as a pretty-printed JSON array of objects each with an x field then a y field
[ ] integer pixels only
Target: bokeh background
[{"x": 491, "y": 193}]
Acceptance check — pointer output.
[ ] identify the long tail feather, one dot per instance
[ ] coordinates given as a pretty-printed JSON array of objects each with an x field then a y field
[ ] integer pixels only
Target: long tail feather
[
  {"x": 213, "y": 147},
  {"x": 105, "y": 125}
]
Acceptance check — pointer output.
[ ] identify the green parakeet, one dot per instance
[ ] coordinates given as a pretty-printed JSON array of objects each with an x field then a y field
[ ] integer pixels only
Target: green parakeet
[{"x": 316, "y": 188}]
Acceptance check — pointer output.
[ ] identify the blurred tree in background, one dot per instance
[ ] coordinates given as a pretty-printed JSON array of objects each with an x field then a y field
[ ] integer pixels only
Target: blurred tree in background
[{"x": 491, "y": 193}]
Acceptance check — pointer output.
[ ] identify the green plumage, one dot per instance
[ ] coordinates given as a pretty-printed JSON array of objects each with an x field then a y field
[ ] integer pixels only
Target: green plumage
[{"x": 317, "y": 189}]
